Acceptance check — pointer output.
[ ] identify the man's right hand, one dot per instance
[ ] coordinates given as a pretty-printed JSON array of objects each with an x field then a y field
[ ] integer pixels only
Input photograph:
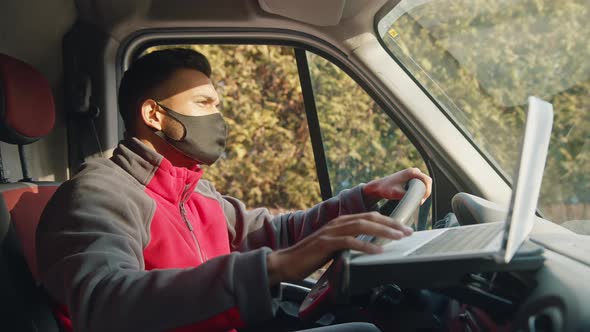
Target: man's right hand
[{"x": 302, "y": 259}]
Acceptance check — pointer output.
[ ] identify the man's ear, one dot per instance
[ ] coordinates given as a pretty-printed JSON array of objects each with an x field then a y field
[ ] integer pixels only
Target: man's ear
[{"x": 150, "y": 115}]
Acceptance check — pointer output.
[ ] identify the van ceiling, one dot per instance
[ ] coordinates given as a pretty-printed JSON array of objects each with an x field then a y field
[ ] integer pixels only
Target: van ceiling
[{"x": 339, "y": 19}]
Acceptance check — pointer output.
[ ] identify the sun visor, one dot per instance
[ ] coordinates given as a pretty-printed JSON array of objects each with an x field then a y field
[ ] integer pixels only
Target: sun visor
[{"x": 320, "y": 13}]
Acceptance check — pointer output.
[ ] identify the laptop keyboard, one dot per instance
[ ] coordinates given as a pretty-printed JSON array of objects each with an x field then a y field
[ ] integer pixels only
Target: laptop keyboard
[{"x": 460, "y": 239}]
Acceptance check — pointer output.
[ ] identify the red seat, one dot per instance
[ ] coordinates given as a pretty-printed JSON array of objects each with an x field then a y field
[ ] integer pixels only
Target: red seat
[
  {"x": 27, "y": 113},
  {"x": 25, "y": 203}
]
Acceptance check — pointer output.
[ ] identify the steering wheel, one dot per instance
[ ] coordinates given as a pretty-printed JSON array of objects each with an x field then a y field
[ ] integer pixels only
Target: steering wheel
[{"x": 320, "y": 296}]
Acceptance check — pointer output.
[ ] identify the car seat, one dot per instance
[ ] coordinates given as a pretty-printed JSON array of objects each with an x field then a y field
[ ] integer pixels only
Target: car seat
[{"x": 27, "y": 113}]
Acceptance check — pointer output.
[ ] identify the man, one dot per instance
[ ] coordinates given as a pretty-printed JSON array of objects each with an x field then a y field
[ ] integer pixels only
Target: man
[{"x": 138, "y": 242}]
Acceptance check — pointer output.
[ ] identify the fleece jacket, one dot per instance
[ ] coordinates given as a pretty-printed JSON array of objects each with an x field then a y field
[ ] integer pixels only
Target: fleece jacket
[{"x": 133, "y": 243}]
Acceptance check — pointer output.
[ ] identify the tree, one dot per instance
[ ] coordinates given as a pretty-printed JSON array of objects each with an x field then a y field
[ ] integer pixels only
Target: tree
[{"x": 482, "y": 59}]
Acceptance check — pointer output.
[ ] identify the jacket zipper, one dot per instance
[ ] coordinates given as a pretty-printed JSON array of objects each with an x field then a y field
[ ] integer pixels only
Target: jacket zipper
[{"x": 185, "y": 196}]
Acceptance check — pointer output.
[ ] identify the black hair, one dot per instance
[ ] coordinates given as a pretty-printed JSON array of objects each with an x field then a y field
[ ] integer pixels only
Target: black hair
[{"x": 151, "y": 70}]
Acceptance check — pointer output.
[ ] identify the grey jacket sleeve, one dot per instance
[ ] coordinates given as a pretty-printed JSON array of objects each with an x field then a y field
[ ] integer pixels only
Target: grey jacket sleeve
[
  {"x": 257, "y": 228},
  {"x": 90, "y": 255}
]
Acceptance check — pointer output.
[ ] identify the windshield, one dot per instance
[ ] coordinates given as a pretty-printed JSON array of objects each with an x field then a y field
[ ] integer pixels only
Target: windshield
[{"x": 480, "y": 60}]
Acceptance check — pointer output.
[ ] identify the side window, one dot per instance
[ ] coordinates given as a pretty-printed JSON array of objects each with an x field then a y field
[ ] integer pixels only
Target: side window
[
  {"x": 269, "y": 160},
  {"x": 361, "y": 142}
]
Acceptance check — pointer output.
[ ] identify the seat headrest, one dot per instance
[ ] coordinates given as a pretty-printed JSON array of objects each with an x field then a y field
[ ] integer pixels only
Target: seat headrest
[{"x": 27, "y": 109}]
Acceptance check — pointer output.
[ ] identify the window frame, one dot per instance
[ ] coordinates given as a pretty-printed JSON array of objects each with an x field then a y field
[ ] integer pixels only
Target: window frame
[{"x": 313, "y": 123}]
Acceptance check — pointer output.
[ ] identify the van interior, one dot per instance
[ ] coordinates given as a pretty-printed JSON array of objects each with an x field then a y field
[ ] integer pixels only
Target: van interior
[{"x": 61, "y": 63}]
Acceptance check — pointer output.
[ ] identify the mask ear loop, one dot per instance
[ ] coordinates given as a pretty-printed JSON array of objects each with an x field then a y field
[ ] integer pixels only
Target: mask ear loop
[{"x": 170, "y": 113}]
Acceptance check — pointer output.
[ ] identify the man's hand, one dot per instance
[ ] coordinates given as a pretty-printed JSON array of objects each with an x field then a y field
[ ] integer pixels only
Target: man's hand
[
  {"x": 392, "y": 186},
  {"x": 299, "y": 261}
]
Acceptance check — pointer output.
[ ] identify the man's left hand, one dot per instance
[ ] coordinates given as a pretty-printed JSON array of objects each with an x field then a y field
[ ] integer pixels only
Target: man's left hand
[{"x": 392, "y": 187}]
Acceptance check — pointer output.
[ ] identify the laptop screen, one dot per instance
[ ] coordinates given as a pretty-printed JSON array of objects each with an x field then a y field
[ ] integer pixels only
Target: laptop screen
[{"x": 528, "y": 175}]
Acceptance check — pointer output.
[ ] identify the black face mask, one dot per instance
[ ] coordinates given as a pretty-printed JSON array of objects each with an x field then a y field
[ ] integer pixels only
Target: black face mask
[{"x": 203, "y": 139}]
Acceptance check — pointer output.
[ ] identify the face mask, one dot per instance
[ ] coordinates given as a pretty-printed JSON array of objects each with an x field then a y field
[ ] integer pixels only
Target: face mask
[{"x": 203, "y": 139}]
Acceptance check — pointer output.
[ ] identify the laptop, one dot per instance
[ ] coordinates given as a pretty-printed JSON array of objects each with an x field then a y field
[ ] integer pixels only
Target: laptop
[{"x": 497, "y": 240}]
